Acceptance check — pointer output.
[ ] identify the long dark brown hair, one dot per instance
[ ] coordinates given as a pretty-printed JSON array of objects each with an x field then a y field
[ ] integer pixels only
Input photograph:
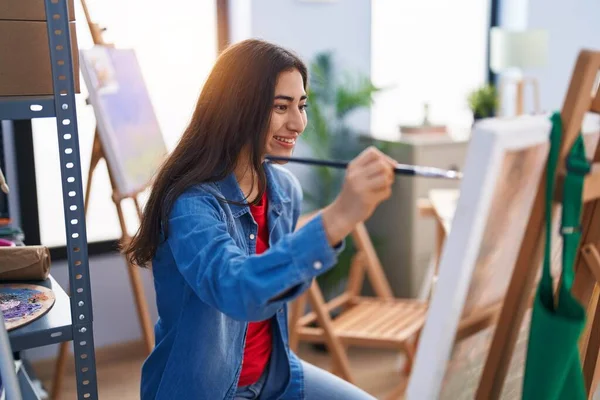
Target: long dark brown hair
[{"x": 233, "y": 113}]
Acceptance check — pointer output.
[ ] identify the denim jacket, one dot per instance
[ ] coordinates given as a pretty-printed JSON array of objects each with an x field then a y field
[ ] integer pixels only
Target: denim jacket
[{"x": 210, "y": 283}]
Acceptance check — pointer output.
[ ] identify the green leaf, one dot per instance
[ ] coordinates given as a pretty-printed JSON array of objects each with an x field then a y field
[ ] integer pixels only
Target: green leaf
[{"x": 357, "y": 93}]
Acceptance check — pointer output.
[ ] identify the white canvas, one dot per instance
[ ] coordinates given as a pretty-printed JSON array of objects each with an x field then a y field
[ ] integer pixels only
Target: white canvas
[{"x": 492, "y": 140}]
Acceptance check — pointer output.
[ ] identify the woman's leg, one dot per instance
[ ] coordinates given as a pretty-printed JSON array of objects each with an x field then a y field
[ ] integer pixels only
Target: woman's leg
[{"x": 320, "y": 384}]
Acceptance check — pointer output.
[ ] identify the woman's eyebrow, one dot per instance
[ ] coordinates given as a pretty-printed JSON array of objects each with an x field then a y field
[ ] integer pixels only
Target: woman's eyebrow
[{"x": 289, "y": 98}]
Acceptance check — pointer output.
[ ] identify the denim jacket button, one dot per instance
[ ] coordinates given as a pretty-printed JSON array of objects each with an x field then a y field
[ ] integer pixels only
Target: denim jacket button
[
  {"x": 317, "y": 265},
  {"x": 252, "y": 236}
]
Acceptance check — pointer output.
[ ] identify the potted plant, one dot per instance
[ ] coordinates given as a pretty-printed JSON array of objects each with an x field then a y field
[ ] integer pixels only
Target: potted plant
[
  {"x": 483, "y": 102},
  {"x": 329, "y": 136}
]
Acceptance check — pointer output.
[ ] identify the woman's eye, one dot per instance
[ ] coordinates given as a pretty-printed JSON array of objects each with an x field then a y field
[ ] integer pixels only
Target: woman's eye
[
  {"x": 303, "y": 107},
  {"x": 280, "y": 107}
]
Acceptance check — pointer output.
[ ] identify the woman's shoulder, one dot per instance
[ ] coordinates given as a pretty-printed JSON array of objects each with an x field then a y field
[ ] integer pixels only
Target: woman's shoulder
[
  {"x": 286, "y": 180},
  {"x": 196, "y": 199}
]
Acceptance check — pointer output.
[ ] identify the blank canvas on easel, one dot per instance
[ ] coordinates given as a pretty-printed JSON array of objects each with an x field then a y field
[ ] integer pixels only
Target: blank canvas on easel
[{"x": 131, "y": 137}]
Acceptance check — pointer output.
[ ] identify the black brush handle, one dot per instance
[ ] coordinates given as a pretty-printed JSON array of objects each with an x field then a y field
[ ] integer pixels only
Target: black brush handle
[{"x": 400, "y": 169}]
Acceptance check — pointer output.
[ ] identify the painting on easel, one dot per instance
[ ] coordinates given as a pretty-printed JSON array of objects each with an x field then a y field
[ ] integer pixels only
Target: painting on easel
[
  {"x": 504, "y": 167},
  {"x": 129, "y": 130},
  {"x": 505, "y": 163}
]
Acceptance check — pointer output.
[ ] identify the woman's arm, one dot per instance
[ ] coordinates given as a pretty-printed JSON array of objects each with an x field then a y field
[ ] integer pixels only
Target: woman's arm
[{"x": 241, "y": 286}]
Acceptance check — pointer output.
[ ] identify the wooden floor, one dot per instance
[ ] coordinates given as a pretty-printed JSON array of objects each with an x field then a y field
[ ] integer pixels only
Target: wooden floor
[{"x": 376, "y": 371}]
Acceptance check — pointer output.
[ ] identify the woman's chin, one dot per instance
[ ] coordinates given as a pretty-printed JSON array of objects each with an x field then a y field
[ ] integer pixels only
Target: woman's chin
[{"x": 280, "y": 152}]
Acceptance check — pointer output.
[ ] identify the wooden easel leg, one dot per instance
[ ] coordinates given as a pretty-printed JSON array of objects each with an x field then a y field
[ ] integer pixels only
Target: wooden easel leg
[
  {"x": 589, "y": 358},
  {"x": 590, "y": 346},
  {"x": 138, "y": 208},
  {"x": 94, "y": 160},
  {"x": 59, "y": 371},
  {"x": 142, "y": 309},
  {"x": 138, "y": 288}
]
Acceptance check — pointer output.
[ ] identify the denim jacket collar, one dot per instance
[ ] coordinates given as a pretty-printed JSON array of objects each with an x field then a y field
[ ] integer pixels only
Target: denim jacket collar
[{"x": 231, "y": 191}]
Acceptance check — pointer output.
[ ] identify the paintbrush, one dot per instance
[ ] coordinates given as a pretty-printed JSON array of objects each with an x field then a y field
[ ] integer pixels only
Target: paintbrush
[{"x": 400, "y": 169}]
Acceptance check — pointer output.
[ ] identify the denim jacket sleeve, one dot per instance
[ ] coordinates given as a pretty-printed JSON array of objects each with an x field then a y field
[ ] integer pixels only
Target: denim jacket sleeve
[{"x": 243, "y": 286}]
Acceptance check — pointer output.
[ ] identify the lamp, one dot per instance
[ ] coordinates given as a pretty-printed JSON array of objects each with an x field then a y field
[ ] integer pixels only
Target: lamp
[{"x": 522, "y": 50}]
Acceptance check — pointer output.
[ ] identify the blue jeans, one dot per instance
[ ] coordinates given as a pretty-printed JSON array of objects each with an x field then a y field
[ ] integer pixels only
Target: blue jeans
[{"x": 318, "y": 385}]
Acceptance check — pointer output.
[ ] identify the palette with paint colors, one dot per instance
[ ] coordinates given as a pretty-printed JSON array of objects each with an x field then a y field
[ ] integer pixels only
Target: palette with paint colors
[{"x": 22, "y": 303}]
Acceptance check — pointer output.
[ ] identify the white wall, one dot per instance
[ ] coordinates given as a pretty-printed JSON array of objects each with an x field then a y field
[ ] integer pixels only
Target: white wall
[
  {"x": 572, "y": 26},
  {"x": 421, "y": 55},
  {"x": 309, "y": 27}
]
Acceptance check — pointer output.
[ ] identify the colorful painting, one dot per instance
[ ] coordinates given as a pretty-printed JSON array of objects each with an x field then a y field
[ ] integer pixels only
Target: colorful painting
[
  {"x": 22, "y": 303},
  {"x": 129, "y": 130}
]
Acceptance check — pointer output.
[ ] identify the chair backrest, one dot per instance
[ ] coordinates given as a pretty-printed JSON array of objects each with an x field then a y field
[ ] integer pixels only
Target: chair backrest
[
  {"x": 364, "y": 263},
  {"x": 371, "y": 263}
]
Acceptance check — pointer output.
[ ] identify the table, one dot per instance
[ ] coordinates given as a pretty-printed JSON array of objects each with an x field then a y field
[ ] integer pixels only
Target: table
[{"x": 440, "y": 204}]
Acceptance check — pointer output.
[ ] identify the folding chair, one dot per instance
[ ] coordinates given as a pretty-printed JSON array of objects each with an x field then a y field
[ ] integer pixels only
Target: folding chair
[{"x": 379, "y": 321}]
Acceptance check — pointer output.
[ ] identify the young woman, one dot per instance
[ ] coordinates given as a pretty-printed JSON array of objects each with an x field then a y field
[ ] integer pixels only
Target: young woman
[{"x": 219, "y": 230}]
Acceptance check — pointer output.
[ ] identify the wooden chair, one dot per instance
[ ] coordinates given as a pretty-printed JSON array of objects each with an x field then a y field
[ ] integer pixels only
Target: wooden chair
[{"x": 380, "y": 321}]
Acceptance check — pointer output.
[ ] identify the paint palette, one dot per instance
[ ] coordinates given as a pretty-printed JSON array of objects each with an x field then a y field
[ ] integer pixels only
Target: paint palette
[{"x": 23, "y": 303}]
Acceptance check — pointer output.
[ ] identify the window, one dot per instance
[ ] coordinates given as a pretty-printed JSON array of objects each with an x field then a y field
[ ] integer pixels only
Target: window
[
  {"x": 176, "y": 45},
  {"x": 429, "y": 51}
]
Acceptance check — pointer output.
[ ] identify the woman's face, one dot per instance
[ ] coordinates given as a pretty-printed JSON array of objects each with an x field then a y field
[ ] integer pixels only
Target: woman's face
[{"x": 288, "y": 116}]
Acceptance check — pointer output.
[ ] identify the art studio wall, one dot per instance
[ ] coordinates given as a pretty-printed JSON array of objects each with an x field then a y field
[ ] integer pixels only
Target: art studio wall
[
  {"x": 571, "y": 26},
  {"x": 432, "y": 52},
  {"x": 310, "y": 27}
]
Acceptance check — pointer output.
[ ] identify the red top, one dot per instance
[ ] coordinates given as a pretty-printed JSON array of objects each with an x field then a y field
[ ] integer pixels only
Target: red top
[{"x": 258, "y": 338}]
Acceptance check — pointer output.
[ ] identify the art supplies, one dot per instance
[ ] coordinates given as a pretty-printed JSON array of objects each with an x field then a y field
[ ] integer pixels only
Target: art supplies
[
  {"x": 23, "y": 303},
  {"x": 24, "y": 263}
]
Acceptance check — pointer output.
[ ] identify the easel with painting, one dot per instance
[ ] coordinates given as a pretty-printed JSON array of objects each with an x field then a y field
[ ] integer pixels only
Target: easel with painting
[
  {"x": 129, "y": 141},
  {"x": 477, "y": 266},
  {"x": 582, "y": 97}
]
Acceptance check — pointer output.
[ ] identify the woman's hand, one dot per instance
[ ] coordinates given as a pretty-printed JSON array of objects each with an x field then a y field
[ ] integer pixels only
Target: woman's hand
[{"x": 368, "y": 182}]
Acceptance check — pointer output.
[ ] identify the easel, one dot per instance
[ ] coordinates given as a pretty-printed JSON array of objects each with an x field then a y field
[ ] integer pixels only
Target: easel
[
  {"x": 134, "y": 274},
  {"x": 587, "y": 265}
]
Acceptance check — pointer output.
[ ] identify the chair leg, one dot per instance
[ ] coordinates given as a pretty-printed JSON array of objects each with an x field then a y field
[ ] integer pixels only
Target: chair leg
[
  {"x": 336, "y": 368},
  {"x": 297, "y": 310},
  {"x": 409, "y": 350},
  {"x": 333, "y": 343},
  {"x": 398, "y": 392}
]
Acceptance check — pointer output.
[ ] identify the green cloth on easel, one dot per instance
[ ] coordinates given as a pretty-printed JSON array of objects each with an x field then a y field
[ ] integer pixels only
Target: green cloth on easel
[{"x": 553, "y": 367}]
